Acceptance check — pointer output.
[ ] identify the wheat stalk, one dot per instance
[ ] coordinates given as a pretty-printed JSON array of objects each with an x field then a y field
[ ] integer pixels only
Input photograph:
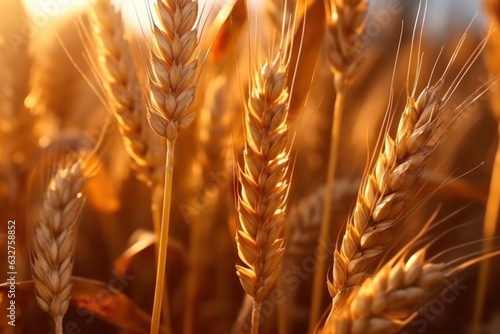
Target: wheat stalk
[
  {"x": 118, "y": 78},
  {"x": 264, "y": 183},
  {"x": 172, "y": 86},
  {"x": 54, "y": 238},
  {"x": 493, "y": 204},
  {"x": 345, "y": 25}
]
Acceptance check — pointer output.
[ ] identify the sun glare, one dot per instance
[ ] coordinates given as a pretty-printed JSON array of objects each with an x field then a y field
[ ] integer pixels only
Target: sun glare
[{"x": 46, "y": 9}]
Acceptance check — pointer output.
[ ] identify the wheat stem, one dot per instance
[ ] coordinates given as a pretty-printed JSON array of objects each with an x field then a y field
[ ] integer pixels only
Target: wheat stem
[
  {"x": 59, "y": 328},
  {"x": 489, "y": 230},
  {"x": 493, "y": 203},
  {"x": 320, "y": 275},
  {"x": 256, "y": 316},
  {"x": 192, "y": 280},
  {"x": 162, "y": 254},
  {"x": 156, "y": 209}
]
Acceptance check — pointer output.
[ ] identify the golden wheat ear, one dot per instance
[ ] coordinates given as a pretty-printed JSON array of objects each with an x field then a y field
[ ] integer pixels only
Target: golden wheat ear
[
  {"x": 117, "y": 75},
  {"x": 389, "y": 300},
  {"x": 53, "y": 238},
  {"x": 174, "y": 65},
  {"x": 264, "y": 179},
  {"x": 393, "y": 296}
]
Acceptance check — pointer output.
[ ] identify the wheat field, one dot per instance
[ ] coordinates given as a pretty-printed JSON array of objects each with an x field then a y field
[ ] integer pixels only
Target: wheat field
[{"x": 245, "y": 167}]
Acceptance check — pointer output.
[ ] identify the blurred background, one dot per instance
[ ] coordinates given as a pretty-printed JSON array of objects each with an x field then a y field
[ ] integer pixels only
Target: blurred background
[{"x": 47, "y": 102}]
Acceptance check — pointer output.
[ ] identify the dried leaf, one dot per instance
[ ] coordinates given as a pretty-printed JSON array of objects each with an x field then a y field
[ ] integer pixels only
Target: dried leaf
[
  {"x": 141, "y": 241},
  {"x": 100, "y": 298}
]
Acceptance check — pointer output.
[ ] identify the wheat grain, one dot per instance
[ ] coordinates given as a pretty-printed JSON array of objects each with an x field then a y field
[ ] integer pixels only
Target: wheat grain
[
  {"x": 305, "y": 220},
  {"x": 120, "y": 83},
  {"x": 54, "y": 238}
]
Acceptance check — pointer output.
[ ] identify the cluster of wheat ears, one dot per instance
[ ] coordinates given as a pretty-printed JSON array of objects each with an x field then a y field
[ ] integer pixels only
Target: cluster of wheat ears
[{"x": 240, "y": 92}]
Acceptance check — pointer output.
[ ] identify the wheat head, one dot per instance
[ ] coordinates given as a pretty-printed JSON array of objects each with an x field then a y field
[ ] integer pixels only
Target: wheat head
[
  {"x": 386, "y": 302},
  {"x": 54, "y": 238},
  {"x": 264, "y": 180},
  {"x": 118, "y": 77},
  {"x": 385, "y": 191},
  {"x": 344, "y": 38},
  {"x": 174, "y": 67}
]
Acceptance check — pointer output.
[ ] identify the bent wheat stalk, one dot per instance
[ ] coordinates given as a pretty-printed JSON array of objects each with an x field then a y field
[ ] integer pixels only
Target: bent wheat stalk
[
  {"x": 53, "y": 240},
  {"x": 493, "y": 203},
  {"x": 172, "y": 86},
  {"x": 345, "y": 26},
  {"x": 264, "y": 183}
]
